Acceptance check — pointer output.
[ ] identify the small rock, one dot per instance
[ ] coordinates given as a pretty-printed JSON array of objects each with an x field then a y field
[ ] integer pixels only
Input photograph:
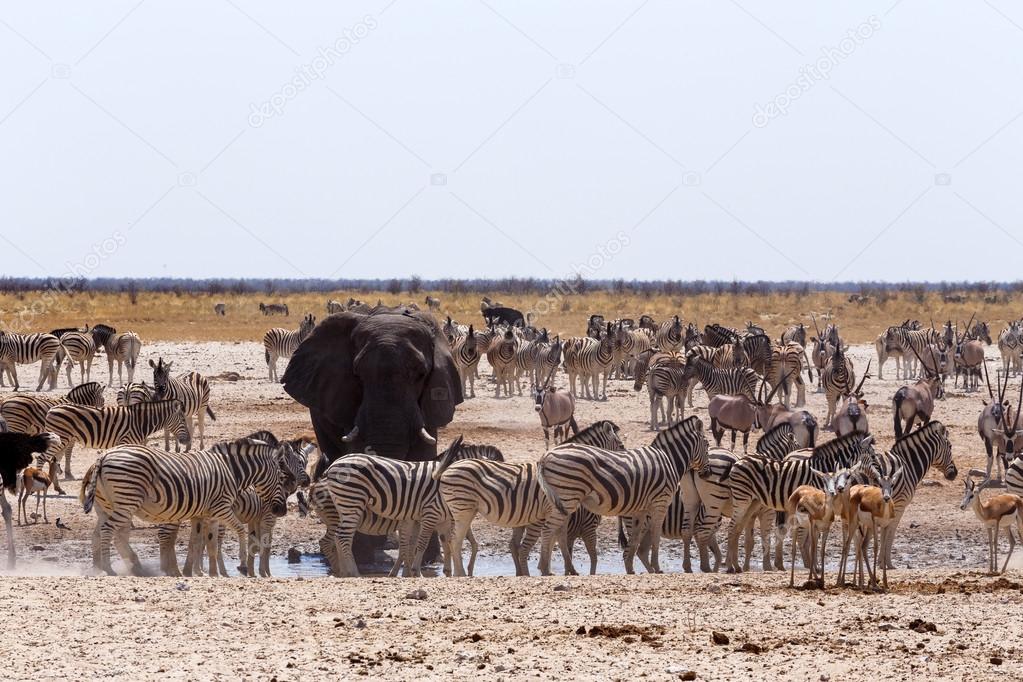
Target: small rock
[
  {"x": 825, "y": 678},
  {"x": 562, "y": 587},
  {"x": 418, "y": 595},
  {"x": 995, "y": 660},
  {"x": 182, "y": 587},
  {"x": 294, "y": 556},
  {"x": 139, "y": 599},
  {"x": 713, "y": 588},
  {"x": 922, "y": 626},
  {"x": 38, "y": 548},
  {"x": 751, "y": 648},
  {"x": 688, "y": 675},
  {"x": 886, "y": 627},
  {"x": 581, "y": 630},
  {"x": 719, "y": 638},
  {"x": 930, "y": 483}
]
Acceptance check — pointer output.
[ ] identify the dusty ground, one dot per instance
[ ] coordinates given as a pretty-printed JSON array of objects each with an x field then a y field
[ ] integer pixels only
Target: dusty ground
[{"x": 142, "y": 628}]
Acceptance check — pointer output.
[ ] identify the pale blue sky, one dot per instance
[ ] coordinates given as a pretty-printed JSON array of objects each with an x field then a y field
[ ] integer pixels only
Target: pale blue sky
[{"x": 499, "y": 138}]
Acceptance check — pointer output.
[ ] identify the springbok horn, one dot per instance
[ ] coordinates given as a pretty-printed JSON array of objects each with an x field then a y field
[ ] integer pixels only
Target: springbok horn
[
  {"x": 425, "y": 435},
  {"x": 988, "y": 380},
  {"x": 866, "y": 373},
  {"x": 352, "y": 435},
  {"x": 1004, "y": 387},
  {"x": 816, "y": 327}
]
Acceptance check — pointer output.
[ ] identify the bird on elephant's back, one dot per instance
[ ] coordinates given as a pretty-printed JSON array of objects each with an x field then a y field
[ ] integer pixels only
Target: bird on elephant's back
[{"x": 381, "y": 382}]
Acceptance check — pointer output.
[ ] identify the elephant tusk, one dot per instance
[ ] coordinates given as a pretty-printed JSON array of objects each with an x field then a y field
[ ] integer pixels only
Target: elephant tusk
[
  {"x": 425, "y": 435},
  {"x": 352, "y": 435}
]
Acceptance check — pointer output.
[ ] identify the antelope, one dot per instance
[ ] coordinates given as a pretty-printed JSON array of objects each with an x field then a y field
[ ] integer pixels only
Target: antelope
[
  {"x": 998, "y": 427},
  {"x": 556, "y": 410},
  {"x": 969, "y": 354},
  {"x": 1005, "y": 507},
  {"x": 851, "y": 414},
  {"x": 811, "y": 511},
  {"x": 35, "y": 480},
  {"x": 804, "y": 424},
  {"x": 737, "y": 413},
  {"x": 910, "y": 402},
  {"x": 869, "y": 506}
]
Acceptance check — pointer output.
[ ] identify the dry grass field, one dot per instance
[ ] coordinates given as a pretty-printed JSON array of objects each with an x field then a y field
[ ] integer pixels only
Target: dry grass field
[
  {"x": 303, "y": 625},
  {"x": 190, "y": 317}
]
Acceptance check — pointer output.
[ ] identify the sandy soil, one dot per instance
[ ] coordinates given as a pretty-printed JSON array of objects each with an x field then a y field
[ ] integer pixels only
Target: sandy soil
[{"x": 313, "y": 627}]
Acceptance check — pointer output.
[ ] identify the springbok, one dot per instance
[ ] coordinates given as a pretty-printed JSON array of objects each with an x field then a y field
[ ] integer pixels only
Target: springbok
[
  {"x": 999, "y": 428},
  {"x": 870, "y": 507},
  {"x": 1005, "y": 507},
  {"x": 36, "y": 479},
  {"x": 811, "y": 511}
]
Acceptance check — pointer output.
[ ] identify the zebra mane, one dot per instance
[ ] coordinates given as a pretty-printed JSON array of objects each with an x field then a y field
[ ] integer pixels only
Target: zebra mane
[
  {"x": 780, "y": 437},
  {"x": 840, "y": 443},
  {"x": 591, "y": 429},
  {"x": 262, "y": 435},
  {"x": 927, "y": 432},
  {"x": 665, "y": 438}
]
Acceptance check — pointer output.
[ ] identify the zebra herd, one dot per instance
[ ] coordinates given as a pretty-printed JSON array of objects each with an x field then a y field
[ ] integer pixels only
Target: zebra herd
[{"x": 71, "y": 346}]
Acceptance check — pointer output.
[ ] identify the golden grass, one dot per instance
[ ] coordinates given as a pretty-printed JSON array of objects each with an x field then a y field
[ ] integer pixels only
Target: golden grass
[{"x": 190, "y": 317}]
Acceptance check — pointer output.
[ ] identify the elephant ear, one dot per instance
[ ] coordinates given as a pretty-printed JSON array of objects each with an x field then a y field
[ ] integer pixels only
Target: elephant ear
[
  {"x": 319, "y": 374},
  {"x": 443, "y": 389}
]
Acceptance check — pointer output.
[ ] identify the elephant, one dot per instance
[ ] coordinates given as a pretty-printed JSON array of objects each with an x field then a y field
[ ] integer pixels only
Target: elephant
[{"x": 381, "y": 382}]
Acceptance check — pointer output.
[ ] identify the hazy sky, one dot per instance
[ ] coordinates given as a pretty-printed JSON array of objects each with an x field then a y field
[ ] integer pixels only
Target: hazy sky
[{"x": 645, "y": 139}]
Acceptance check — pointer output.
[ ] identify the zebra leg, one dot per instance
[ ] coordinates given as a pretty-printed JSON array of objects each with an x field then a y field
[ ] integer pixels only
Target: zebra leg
[
  {"x": 461, "y": 527},
  {"x": 889, "y": 539},
  {"x": 167, "y": 536},
  {"x": 120, "y": 536},
  {"x": 520, "y": 557},
  {"x": 656, "y": 525},
  {"x": 641, "y": 528},
  {"x": 553, "y": 524},
  {"x": 474, "y": 550},
  {"x": 191, "y": 428},
  {"x": 589, "y": 536},
  {"x": 266, "y": 531},
  {"x": 427, "y": 525},
  {"x": 193, "y": 563},
  {"x": 739, "y": 512}
]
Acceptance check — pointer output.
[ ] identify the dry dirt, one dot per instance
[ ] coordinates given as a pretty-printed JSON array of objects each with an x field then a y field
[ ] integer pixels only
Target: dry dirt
[{"x": 308, "y": 626}]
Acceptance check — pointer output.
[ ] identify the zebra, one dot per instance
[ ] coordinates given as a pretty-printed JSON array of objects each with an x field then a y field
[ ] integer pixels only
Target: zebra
[
  {"x": 23, "y": 349},
  {"x": 81, "y": 348},
  {"x": 106, "y": 427},
  {"x": 777, "y": 443},
  {"x": 167, "y": 488},
  {"x": 393, "y": 489},
  {"x": 334, "y": 307},
  {"x": 220, "y": 309},
  {"x": 628, "y": 343},
  {"x": 795, "y": 334},
  {"x": 734, "y": 381},
  {"x": 509, "y": 495},
  {"x": 916, "y": 452},
  {"x": 838, "y": 379},
  {"x": 670, "y": 336},
  {"x": 592, "y": 359},
  {"x": 786, "y": 368},
  {"x": 527, "y": 360},
  {"x": 571, "y": 351},
  {"x": 282, "y": 343},
  {"x": 758, "y": 483},
  {"x": 1010, "y": 346},
  {"x": 905, "y": 341},
  {"x": 638, "y": 483},
  {"x": 465, "y": 351},
  {"x": 134, "y": 393},
  {"x": 124, "y": 347},
  {"x": 274, "y": 309},
  {"x": 664, "y": 375},
  {"x": 192, "y": 390},
  {"x": 501, "y": 357},
  {"x": 432, "y": 303}
]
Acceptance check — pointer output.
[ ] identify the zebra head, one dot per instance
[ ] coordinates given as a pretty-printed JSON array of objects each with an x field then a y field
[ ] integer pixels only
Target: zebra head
[
  {"x": 306, "y": 328},
  {"x": 161, "y": 377}
]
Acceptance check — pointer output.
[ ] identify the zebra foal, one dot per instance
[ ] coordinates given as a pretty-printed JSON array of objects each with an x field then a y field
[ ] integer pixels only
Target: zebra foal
[{"x": 192, "y": 390}]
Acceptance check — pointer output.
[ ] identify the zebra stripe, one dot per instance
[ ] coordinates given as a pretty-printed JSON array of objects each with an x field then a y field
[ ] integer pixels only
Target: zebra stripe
[
  {"x": 501, "y": 357},
  {"x": 134, "y": 393},
  {"x": 192, "y": 390},
  {"x": 123, "y": 347},
  {"x": 636, "y": 483},
  {"x": 838, "y": 379},
  {"x": 593, "y": 359},
  {"x": 508, "y": 495},
  {"x": 670, "y": 335},
  {"x": 168, "y": 488},
  {"x": 79, "y": 347},
  {"x": 107, "y": 427},
  {"x": 24, "y": 349},
  {"x": 282, "y": 343},
  {"x": 734, "y": 381},
  {"x": 403, "y": 491},
  {"x": 465, "y": 351},
  {"x": 27, "y": 413}
]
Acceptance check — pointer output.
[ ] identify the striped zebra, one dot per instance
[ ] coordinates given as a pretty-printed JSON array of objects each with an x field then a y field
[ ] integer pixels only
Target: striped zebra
[
  {"x": 122, "y": 347},
  {"x": 778, "y": 442},
  {"x": 393, "y": 489},
  {"x": 274, "y": 309},
  {"x": 79, "y": 347},
  {"x": 509, "y": 495},
  {"x": 501, "y": 357},
  {"x": 670, "y": 335},
  {"x": 192, "y": 390},
  {"x": 24, "y": 349},
  {"x": 637, "y": 483},
  {"x": 255, "y": 516},
  {"x": 1010, "y": 347},
  {"x": 628, "y": 343},
  {"x": 838, "y": 379},
  {"x": 590, "y": 360},
  {"x": 527, "y": 360},
  {"x": 168, "y": 488},
  {"x": 134, "y": 393},
  {"x": 903, "y": 340},
  {"x": 758, "y": 483},
  {"x": 465, "y": 351},
  {"x": 734, "y": 381},
  {"x": 572, "y": 347},
  {"x": 664, "y": 376},
  {"x": 282, "y": 343},
  {"x": 107, "y": 427},
  {"x": 916, "y": 452},
  {"x": 785, "y": 369}
]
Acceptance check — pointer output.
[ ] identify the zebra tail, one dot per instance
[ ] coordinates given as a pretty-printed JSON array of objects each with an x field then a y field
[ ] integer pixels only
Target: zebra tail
[
  {"x": 623, "y": 541},
  {"x": 779, "y": 520},
  {"x": 572, "y": 423},
  {"x": 266, "y": 353},
  {"x": 87, "y": 493},
  {"x": 552, "y": 496},
  {"x": 900, "y": 395},
  {"x": 210, "y": 413}
]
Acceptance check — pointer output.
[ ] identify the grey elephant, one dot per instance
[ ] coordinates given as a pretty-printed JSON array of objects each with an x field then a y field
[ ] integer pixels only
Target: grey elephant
[{"x": 382, "y": 381}]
